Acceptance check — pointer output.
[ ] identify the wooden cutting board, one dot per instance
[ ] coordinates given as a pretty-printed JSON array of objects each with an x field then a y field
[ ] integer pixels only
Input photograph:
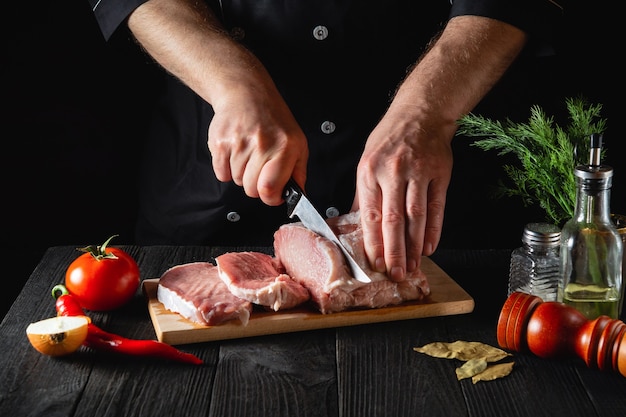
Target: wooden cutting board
[{"x": 446, "y": 298}]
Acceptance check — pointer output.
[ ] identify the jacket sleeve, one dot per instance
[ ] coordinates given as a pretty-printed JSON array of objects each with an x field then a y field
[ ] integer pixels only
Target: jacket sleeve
[
  {"x": 110, "y": 14},
  {"x": 540, "y": 19}
]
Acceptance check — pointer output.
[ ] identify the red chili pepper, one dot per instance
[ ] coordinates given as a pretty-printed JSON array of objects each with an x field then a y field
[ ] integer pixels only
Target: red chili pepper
[{"x": 99, "y": 339}]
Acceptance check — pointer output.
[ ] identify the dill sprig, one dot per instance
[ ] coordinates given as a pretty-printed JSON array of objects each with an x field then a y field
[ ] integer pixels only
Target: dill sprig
[{"x": 547, "y": 154}]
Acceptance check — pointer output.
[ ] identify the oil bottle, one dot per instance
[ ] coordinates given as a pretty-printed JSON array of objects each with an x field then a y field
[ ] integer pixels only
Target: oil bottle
[{"x": 591, "y": 248}]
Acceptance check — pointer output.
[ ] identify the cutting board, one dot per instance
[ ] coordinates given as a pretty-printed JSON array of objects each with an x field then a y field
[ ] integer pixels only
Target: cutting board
[{"x": 446, "y": 298}]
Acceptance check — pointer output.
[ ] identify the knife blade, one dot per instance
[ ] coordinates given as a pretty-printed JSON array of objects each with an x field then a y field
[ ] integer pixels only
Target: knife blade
[{"x": 299, "y": 205}]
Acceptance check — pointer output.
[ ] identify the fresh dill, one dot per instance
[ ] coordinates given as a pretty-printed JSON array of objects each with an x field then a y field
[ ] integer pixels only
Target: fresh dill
[{"x": 546, "y": 151}]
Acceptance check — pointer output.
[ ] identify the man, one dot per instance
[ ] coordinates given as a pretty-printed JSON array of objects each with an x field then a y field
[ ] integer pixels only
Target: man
[{"x": 353, "y": 101}]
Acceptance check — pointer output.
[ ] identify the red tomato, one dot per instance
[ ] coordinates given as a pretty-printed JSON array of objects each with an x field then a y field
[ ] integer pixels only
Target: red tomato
[{"x": 102, "y": 278}]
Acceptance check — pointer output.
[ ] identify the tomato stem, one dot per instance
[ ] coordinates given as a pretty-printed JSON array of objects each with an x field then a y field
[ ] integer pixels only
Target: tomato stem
[{"x": 99, "y": 252}]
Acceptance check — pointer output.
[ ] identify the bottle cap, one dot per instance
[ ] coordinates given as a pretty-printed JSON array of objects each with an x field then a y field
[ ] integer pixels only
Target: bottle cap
[{"x": 593, "y": 172}]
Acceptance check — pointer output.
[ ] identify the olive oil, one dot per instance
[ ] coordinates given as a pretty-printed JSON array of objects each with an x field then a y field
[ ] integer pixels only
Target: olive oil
[{"x": 592, "y": 300}]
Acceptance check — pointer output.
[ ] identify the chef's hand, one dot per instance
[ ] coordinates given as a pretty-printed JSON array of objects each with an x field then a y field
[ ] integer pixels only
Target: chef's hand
[
  {"x": 405, "y": 169},
  {"x": 256, "y": 142},
  {"x": 254, "y": 139},
  {"x": 402, "y": 180}
]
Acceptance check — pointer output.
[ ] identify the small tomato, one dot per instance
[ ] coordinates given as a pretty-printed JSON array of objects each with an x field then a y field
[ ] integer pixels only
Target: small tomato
[{"x": 102, "y": 278}]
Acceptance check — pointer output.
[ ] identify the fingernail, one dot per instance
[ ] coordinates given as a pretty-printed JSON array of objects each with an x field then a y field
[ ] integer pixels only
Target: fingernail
[
  {"x": 379, "y": 265},
  {"x": 397, "y": 273}
]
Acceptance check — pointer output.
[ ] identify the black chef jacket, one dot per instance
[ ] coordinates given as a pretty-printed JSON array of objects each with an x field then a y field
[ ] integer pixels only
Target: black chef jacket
[{"x": 336, "y": 63}]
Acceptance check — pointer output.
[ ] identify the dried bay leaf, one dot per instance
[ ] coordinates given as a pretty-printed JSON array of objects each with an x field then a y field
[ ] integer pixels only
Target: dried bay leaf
[
  {"x": 437, "y": 350},
  {"x": 476, "y": 356},
  {"x": 470, "y": 368},
  {"x": 463, "y": 351},
  {"x": 494, "y": 372}
]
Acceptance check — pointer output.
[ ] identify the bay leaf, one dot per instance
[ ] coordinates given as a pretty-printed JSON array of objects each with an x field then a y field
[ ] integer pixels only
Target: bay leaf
[
  {"x": 463, "y": 350},
  {"x": 494, "y": 372},
  {"x": 437, "y": 350},
  {"x": 470, "y": 368}
]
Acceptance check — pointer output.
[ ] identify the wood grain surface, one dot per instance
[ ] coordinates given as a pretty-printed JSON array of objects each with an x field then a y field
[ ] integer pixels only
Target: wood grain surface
[
  {"x": 369, "y": 370},
  {"x": 446, "y": 298}
]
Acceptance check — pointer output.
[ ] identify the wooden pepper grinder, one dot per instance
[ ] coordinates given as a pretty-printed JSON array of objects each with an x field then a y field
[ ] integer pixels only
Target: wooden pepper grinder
[{"x": 555, "y": 330}]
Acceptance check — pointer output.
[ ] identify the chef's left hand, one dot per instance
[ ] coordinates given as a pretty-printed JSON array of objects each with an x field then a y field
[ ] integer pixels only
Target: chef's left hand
[{"x": 402, "y": 180}]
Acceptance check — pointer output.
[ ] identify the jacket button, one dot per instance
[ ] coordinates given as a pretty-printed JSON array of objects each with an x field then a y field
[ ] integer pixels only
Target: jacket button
[
  {"x": 233, "y": 216},
  {"x": 332, "y": 212},
  {"x": 320, "y": 32},
  {"x": 328, "y": 127}
]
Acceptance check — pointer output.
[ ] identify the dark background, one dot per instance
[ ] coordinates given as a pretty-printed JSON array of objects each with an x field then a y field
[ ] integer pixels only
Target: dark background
[{"x": 75, "y": 112}]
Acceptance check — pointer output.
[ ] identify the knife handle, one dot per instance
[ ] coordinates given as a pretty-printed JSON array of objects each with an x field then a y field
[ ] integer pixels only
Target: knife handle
[{"x": 291, "y": 194}]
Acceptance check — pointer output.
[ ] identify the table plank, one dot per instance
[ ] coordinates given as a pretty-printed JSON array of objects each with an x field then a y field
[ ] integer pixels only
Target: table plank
[
  {"x": 125, "y": 386},
  {"x": 380, "y": 374},
  {"x": 277, "y": 375}
]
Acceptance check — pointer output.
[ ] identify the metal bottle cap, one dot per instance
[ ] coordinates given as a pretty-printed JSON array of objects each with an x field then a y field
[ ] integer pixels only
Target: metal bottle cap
[{"x": 593, "y": 172}]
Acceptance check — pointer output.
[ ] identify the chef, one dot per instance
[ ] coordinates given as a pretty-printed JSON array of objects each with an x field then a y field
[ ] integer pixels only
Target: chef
[{"x": 356, "y": 100}]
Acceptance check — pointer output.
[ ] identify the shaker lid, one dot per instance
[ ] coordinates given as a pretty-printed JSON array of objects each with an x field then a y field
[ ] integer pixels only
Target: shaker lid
[{"x": 544, "y": 234}]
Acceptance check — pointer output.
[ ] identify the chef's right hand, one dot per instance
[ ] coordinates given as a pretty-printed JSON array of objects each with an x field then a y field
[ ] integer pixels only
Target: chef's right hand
[
  {"x": 253, "y": 138},
  {"x": 256, "y": 142}
]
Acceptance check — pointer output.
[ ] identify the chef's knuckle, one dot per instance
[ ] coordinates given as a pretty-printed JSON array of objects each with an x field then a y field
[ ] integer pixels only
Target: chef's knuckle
[
  {"x": 393, "y": 218},
  {"x": 416, "y": 211},
  {"x": 371, "y": 216}
]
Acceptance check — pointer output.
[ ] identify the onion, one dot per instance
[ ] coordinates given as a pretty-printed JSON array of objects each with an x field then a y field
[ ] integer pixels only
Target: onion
[{"x": 58, "y": 336}]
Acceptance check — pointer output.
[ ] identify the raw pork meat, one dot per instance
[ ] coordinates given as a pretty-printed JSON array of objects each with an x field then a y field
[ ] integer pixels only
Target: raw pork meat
[
  {"x": 319, "y": 265},
  {"x": 260, "y": 279},
  {"x": 195, "y": 291}
]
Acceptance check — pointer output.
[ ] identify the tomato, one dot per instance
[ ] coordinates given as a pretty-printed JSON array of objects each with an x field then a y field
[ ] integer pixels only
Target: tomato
[{"x": 102, "y": 278}]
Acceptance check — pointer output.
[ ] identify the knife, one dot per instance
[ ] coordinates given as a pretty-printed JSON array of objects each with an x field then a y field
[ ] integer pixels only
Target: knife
[{"x": 299, "y": 205}]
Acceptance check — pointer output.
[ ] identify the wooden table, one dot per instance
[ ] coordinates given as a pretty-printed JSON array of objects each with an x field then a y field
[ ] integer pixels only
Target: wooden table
[{"x": 365, "y": 370}]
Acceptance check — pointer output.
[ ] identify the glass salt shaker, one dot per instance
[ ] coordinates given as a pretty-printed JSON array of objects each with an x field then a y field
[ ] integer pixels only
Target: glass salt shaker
[{"x": 535, "y": 265}]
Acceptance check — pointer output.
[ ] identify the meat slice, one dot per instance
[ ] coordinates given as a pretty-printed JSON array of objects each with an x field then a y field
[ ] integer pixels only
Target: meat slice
[
  {"x": 319, "y": 265},
  {"x": 260, "y": 279},
  {"x": 195, "y": 291}
]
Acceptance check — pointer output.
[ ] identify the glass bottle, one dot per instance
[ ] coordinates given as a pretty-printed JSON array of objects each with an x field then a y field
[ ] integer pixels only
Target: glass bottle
[
  {"x": 591, "y": 248},
  {"x": 535, "y": 265}
]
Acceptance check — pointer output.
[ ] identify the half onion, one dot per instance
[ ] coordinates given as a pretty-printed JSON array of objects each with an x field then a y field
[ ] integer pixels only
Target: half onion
[{"x": 59, "y": 335}]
